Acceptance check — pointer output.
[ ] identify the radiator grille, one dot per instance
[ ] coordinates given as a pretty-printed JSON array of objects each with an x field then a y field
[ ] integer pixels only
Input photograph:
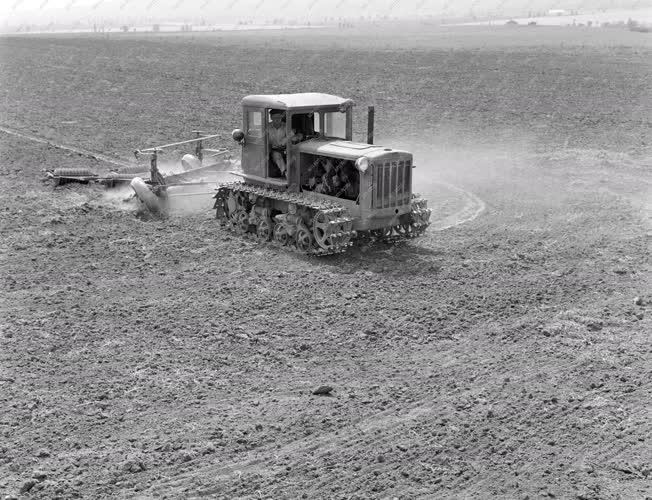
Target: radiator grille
[{"x": 393, "y": 181}]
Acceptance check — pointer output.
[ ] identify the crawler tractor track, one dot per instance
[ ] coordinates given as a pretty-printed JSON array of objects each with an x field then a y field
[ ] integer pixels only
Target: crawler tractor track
[
  {"x": 415, "y": 227},
  {"x": 305, "y": 224}
]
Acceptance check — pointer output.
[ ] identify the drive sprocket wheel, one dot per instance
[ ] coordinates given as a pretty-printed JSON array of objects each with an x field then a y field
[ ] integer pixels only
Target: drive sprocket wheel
[{"x": 332, "y": 230}]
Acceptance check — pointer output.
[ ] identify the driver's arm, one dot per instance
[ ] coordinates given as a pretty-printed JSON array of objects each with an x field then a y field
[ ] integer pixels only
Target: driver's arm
[{"x": 296, "y": 137}]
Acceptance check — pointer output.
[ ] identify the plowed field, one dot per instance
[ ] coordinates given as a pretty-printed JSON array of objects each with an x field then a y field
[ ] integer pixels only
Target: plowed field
[{"x": 504, "y": 354}]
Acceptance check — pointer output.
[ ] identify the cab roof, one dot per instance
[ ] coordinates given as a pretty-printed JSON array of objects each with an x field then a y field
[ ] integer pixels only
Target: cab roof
[{"x": 291, "y": 101}]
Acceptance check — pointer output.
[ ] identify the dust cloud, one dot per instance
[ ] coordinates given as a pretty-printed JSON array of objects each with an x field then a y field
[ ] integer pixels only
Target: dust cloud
[
  {"x": 119, "y": 198},
  {"x": 461, "y": 174},
  {"x": 195, "y": 195},
  {"x": 454, "y": 170},
  {"x": 458, "y": 156}
]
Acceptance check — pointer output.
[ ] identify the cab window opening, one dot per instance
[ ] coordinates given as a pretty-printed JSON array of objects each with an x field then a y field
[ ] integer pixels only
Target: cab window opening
[
  {"x": 305, "y": 125},
  {"x": 331, "y": 124},
  {"x": 255, "y": 124},
  {"x": 335, "y": 124}
]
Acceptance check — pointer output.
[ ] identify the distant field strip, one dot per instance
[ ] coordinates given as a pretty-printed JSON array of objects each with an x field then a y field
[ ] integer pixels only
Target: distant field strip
[{"x": 74, "y": 149}]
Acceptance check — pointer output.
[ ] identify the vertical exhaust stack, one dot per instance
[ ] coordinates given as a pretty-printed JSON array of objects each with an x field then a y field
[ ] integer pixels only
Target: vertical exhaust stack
[{"x": 370, "y": 125}]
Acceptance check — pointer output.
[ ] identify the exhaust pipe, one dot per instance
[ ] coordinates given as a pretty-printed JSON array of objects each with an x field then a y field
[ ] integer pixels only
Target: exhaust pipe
[{"x": 370, "y": 125}]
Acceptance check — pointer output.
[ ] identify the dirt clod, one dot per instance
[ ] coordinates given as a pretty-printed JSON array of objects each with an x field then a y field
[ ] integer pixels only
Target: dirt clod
[
  {"x": 28, "y": 485},
  {"x": 39, "y": 475},
  {"x": 323, "y": 390},
  {"x": 133, "y": 466}
]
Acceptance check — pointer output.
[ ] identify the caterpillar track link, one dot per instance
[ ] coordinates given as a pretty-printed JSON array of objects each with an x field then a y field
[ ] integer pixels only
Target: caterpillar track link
[
  {"x": 414, "y": 226},
  {"x": 294, "y": 221}
]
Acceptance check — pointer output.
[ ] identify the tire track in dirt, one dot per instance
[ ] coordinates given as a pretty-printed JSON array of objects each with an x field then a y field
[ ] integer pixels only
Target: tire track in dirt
[
  {"x": 374, "y": 430},
  {"x": 74, "y": 149},
  {"x": 389, "y": 421},
  {"x": 472, "y": 207},
  {"x": 321, "y": 445},
  {"x": 614, "y": 445}
]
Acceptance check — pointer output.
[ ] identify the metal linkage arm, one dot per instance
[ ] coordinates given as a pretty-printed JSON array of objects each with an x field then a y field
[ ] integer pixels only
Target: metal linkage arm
[{"x": 189, "y": 141}]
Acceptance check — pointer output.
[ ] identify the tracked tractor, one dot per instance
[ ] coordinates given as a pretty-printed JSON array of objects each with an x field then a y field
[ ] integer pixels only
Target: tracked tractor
[{"x": 305, "y": 184}]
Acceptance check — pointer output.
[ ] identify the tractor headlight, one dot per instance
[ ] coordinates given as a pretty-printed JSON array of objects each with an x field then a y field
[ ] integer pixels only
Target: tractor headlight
[
  {"x": 362, "y": 164},
  {"x": 238, "y": 135}
]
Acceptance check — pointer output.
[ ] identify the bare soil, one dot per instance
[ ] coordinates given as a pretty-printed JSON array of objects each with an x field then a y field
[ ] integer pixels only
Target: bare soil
[{"x": 505, "y": 354}]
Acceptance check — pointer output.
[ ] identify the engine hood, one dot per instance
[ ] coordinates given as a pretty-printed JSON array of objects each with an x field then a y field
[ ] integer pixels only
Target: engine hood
[{"x": 346, "y": 150}]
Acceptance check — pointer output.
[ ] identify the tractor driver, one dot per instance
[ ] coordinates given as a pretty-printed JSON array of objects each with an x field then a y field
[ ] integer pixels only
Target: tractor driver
[{"x": 277, "y": 139}]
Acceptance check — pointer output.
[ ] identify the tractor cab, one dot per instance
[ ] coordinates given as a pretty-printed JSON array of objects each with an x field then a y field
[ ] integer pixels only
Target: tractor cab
[{"x": 275, "y": 125}]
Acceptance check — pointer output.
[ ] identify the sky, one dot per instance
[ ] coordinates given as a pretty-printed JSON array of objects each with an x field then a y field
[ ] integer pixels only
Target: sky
[{"x": 43, "y": 12}]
